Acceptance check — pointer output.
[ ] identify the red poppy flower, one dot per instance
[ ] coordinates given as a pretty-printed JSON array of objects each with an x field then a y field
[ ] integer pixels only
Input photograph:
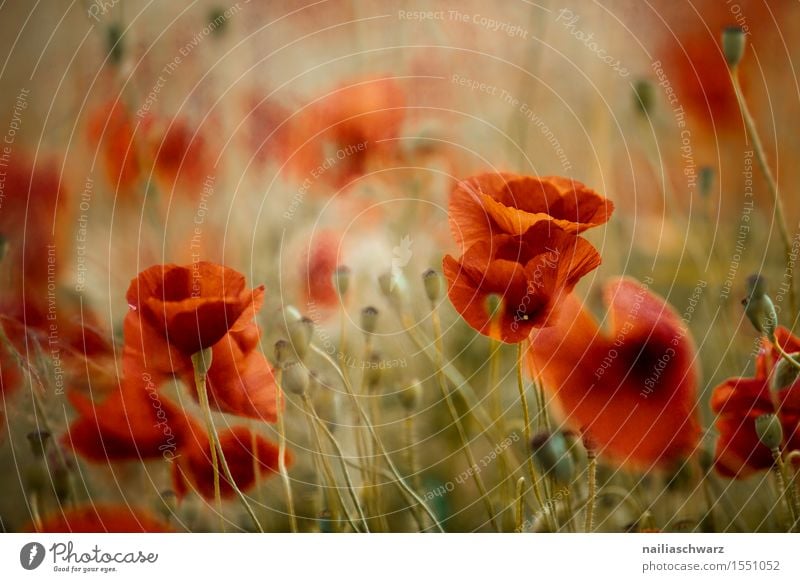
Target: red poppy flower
[
  {"x": 182, "y": 156},
  {"x": 134, "y": 422},
  {"x": 317, "y": 269},
  {"x": 632, "y": 389},
  {"x": 194, "y": 470},
  {"x": 340, "y": 136},
  {"x": 102, "y": 518},
  {"x": 739, "y": 401},
  {"x": 531, "y": 273},
  {"x": 499, "y": 203},
  {"x": 187, "y": 308},
  {"x": 112, "y": 130},
  {"x": 240, "y": 380}
]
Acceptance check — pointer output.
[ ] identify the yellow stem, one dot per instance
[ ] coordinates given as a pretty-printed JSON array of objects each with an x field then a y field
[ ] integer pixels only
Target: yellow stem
[
  {"x": 592, "y": 490},
  {"x": 284, "y": 473}
]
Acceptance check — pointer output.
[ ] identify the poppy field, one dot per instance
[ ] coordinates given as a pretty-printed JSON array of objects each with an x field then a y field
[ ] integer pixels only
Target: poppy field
[{"x": 351, "y": 266}]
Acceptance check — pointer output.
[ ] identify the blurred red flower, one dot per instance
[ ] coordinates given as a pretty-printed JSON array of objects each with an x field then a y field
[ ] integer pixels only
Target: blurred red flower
[
  {"x": 102, "y": 518},
  {"x": 632, "y": 390},
  {"x": 111, "y": 129},
  {"x": 531, "y": 273},
  {"x": 343, "y": 134},
  {"x": 500, "y": 203},
  {"x": 739, "y": 401},
  {"x": 245, "y": 453}
]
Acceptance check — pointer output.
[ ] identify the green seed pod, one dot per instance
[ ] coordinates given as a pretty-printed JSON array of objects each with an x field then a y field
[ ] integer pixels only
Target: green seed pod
[
  {"x": 341, "y": 280},
  {"x": 369, "y": 319},
  {"x": 758, "y": 307},
  {"x": 300, "y": 333},
  {"x": 295, "y": 379},
  {"x": 734, "y": 41},
  {"x": 283, "y": 352},
  {"x": 411, "y": 396},
  {"x": 644, "y": 96},
  {"x": 785, "y": 373},
  {"x": 769, "y": 431},
  {"x": 552, "y": 457},
  {"x": 433, "y": 285}
]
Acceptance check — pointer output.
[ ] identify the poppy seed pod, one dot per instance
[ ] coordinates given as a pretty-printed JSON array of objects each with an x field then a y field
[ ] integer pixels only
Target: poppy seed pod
[
  {"x": 552, "y": 456},
  {"x": 341, "y": 280},
  {"x": 295, "y": 379},
  {"x": 369, "y": 319},
  {"x": 411, "y": 395},
  {"x": 283, "y": 352},
  {"x": 394, "y": 287},
  {"x": 785, "y": 373},
  {"x": 733, "y": 44},
  {"x": 644, "y": 96},
  {"x": 39, "y": 439},
  {"x": 433, "y": 285},
  {"x": 760, "y": 310},
  {"x": 300, "y": 334},
  {"x": 769, "y": 431}
]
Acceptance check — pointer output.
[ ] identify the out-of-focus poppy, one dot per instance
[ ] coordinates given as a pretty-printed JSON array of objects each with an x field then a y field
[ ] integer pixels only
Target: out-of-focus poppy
[
  {"x": 499, "y": 203},
  {"x": 633, "y": 389},
  {"x": 134, "y": 422},
  {"x": 530, "y": 273},
  {"x": 181, "y": 156},
  {"x": 343, "y": 134},
  {"x": 243, "y": 452},
  {"x": 739, "y": 401},
  {"x": 317, "y": 268},
  {"x": 102, "y": 518},
  {"x": 112, "y": 130}
]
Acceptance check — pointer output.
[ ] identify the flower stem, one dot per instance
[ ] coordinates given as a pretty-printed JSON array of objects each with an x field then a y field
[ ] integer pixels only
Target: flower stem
[
  {"x": 592, "y": 490},
  {"x": 362, "y": 413},
  {"x": 340, "y": 455},
  {"x": 784, "y": 491},
  {"x": 772, "y": 184},
  {"x": 465, "y": 443},
  {"x": 520, "y": 505},
  {"x": 284, "y": 473},
  {"x": 201, "y": 361}
]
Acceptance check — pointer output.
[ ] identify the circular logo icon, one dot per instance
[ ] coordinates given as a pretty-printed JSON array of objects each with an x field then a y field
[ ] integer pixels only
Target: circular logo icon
[{"x": 31, "y": 555}]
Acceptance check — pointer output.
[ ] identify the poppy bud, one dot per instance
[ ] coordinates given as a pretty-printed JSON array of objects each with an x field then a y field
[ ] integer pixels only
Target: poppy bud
[
  {"x": 433, "y": 285},
  {"x": 394, "y": 287},
  {"x": 411, "y": 395},
  {"x": 705, "y": 180},
  {"x": 644, "y": 96},
  {"x": 369, "y": 319},
  {"x": 282, "y": 352},
  {"x": 759, "y": 307},
  {"x": 733, "y": 43},
  {"x": 39, "y": 440},
  {"x": 785, "y": 373},
  {"x": 373, "y": 370},
  {"x": 295, "y": 379},
  {"x": 552, "y": 456},
  {"x": 300, "y": 334},
  {"x": 341, "y": 280},
  {"x": 769, "y": 431}
]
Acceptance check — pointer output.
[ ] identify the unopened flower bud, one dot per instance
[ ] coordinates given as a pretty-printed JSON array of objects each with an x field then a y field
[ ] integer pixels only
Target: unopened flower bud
[
  {"x": 552, "y": 456},
  {"x": 341, "y": 280},
  {"x": 769, "y": 431},
  {"x": 283, "y": 352},
  {"x": 411, "y": 395},
  {"x": 644, "y": 96},
  {"x": 433, "y": 285},
  {"x": 300, "y": 334},
  {"x": 759, "y": 307},
  {"x": 733, "y": 44},
  {"x": 705, "y": 181},
  {"x": 39, "y": 440},
  {"x": 785, "y": 373},
  {"x": 373, "y": 370},
  {"x": 295, "y": 379},
  {"x": 369, "y": 319}
]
